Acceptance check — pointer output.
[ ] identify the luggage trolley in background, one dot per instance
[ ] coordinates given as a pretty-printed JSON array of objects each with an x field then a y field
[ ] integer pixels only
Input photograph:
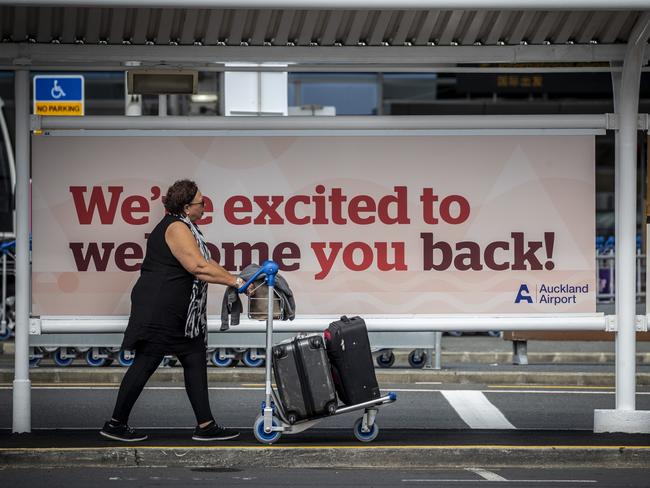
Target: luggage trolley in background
[{"x": 272, "y": 422}]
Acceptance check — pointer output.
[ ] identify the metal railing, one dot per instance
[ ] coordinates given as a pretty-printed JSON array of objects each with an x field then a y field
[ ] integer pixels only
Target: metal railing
[
  {"x": 606, "y": 276},
  {"x": 7, "y": 259}
]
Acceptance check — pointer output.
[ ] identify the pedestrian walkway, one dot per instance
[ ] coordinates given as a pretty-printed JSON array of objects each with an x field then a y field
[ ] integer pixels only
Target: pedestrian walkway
[{"x": 320, "y": 448}]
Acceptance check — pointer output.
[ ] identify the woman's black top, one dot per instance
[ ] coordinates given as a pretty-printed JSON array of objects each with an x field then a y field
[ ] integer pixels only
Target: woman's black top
[{"x": 160, "y": 299}]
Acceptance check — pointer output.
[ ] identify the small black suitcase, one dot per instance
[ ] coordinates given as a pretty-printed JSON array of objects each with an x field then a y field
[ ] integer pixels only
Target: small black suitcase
[
  {"x": 349, "y": 353},
  {"x": 303, "y": 378}
]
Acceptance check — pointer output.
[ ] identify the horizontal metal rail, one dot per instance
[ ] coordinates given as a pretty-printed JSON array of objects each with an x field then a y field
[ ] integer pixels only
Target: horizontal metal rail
[
  {"x": 398, "y": 323},
  {"x": 425, "y": 122}
]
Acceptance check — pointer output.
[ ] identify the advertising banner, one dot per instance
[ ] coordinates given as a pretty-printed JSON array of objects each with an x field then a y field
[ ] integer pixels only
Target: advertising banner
[{"x": 359, "y": 224}]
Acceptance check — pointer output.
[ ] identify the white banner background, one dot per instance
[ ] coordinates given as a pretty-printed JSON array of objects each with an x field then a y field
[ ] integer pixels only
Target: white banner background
[{"x": 534, "y": 185}]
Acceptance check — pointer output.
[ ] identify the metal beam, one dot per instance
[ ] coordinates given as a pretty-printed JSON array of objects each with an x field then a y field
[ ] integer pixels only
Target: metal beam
[
  {"x": 22, "y": 386},
  {"x": 377, "y": 36},
  {"x": 614, "y": 27},
  {"x": 426, "y": 28},
  {"x": 496, "y": 32},
  {"x": 77, "y": 56},
  {"x": 261, "y": 26},
  {"x": 354, "y": 33},
  {"x": 427, "y": 122},
  {"x": 451, "y": 27},
  {"x": 471, "y": 35},
  {"x": 354, "y": 4},
  {"x": 397, "y": 323},
  {"x": 548, "y": 23},
  {"x": 307, "y": 29},
  {"x": 284, "y": 27}
]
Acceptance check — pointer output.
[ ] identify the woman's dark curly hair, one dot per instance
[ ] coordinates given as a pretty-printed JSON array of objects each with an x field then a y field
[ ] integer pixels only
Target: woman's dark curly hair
[{"x": 178, "y": 195}]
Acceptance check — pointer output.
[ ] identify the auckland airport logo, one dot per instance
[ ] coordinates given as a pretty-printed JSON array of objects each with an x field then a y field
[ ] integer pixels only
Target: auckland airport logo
[{"x": 555, "y": 295}]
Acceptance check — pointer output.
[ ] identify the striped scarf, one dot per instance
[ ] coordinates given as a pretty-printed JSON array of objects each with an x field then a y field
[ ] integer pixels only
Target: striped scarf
[{"x": 197, "y": 317}]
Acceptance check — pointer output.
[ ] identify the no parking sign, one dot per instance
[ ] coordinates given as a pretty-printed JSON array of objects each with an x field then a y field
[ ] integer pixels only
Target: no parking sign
[{"x": 59, "y": 95}]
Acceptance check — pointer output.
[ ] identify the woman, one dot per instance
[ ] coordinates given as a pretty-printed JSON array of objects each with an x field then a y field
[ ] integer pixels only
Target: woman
[{"x": 168, "y": 314}]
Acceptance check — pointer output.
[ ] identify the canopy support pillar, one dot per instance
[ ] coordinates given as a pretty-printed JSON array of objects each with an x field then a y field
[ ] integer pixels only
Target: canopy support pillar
[
  {"x": 22, "y": 421},
  {"x": 625, "y": 417}
]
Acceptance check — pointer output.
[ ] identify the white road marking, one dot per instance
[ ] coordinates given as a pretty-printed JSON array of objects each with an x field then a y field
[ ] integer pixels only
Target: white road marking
[
  {"x": 485, "y": 474},
  {"x": 476, "y": 410},
  {"x": 490, "y": 481}
]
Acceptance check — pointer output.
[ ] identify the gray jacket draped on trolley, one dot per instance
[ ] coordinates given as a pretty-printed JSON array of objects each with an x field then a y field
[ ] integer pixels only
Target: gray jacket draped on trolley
[{"x": 232, "y": 308}]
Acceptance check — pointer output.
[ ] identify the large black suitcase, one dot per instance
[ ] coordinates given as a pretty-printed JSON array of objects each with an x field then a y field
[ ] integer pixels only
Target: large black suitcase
[
  {"x": 303, "y": 378},
  {"x": 349, "y": 352}
]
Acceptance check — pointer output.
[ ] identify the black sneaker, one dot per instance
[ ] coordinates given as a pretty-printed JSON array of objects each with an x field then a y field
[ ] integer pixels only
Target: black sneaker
[
  {"x": 213, "y": 432},
  {"x": 122, "y": 432}
]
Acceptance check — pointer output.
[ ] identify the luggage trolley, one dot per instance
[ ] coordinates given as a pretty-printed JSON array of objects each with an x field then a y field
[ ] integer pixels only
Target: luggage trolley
[{"x": 272, "y": 422}]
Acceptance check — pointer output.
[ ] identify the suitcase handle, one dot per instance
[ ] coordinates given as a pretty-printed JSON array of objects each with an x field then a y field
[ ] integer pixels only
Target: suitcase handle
[{"x": 269, "y": 268}]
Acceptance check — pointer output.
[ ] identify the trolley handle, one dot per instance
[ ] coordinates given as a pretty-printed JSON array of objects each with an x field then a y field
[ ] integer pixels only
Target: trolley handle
[{"x": 269, "y": 268}]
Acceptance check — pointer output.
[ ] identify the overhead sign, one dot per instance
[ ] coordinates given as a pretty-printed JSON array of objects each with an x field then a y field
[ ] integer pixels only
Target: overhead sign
[
  {"x": 358, "y": 224},
  {"x": 58, "y": 95}
]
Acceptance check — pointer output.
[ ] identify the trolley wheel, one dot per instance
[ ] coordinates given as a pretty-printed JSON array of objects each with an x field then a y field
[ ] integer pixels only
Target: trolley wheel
[
  {"x": 385, "y": 360},
  {"x": 417, "y": 360},
  {"x": 250, "y": 362},
  {"x": 61, "y": 361},
  {"x": 263, "y": 437},
  {"x": 121, "y": 358},
  {"x": 34, "y": 362},
  {"x": 221, "y": 363},
  {"x": 365, "y": 436},
  {"x": 455, "y": 333},
  {"x": 94, "y": 362},
  {"x": 6, "y": 334},
  {"x": 494, "y": 333},
  {"x": 168, "y": 362}
]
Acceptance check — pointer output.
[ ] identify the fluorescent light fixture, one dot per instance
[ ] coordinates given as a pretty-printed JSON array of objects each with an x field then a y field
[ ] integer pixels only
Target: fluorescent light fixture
[{"x": 205, "y": 98}]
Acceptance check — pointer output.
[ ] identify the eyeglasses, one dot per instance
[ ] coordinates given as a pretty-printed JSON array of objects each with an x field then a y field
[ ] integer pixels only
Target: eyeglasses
[{"x": 202, "y": 203}]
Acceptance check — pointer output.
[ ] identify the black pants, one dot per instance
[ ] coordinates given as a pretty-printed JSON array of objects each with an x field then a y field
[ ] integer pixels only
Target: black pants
[{"x": 144, "y": 365}]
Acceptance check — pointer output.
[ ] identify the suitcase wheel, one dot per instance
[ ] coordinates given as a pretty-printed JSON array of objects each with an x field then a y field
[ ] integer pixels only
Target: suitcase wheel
[
  {"x": 331, "y": 408},
  {"x": 365, "y": 436},
  {"x": 292, "y": 418},
  {"x": 264, "y": 437}
]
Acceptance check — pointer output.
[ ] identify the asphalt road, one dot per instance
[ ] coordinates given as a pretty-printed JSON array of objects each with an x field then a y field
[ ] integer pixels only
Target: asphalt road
[
  {"x": 419, "y": 406},
  {"x": 340, "y": 478}
]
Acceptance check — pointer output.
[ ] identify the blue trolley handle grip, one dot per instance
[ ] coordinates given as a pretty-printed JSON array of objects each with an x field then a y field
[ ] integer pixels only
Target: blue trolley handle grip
[
  {"x": 5, "y": 246},
  {"x": 269, "y": 268}
]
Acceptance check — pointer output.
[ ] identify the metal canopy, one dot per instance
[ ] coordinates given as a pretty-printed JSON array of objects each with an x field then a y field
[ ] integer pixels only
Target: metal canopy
[
  {"x": 106, "y": 34},
  {"x": 71, "y": 34}
]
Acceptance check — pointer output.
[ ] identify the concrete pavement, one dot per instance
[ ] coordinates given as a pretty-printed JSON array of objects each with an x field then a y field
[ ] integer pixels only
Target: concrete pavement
[{"x": 466, "y": 361}]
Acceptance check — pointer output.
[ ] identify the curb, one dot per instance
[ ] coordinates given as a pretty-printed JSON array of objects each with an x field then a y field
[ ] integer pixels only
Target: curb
[
  {"x": 327, "y": 457},
  {"x": 384, "y": 376}
]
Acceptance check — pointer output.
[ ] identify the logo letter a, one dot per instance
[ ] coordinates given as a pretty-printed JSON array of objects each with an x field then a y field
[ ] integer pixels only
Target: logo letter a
[{"x": 523, "y": 294}]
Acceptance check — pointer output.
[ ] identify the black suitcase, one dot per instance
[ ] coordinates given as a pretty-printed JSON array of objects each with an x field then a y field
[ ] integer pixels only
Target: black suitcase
[
  {"x": 349, "y": 353},
  {"x": 303, "y": 378}
]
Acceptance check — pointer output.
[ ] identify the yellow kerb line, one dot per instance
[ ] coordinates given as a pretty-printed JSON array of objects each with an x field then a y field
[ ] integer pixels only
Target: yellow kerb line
[{"x": 249, "y": 448}]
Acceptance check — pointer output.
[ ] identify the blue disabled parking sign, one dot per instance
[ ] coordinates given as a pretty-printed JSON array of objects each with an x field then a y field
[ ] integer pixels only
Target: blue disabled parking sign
[{"x": 58, "y": 95}]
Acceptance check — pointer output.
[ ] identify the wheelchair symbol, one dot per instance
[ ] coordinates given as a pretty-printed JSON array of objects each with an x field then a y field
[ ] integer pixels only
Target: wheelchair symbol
[{"x": 57, "y": 92}]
